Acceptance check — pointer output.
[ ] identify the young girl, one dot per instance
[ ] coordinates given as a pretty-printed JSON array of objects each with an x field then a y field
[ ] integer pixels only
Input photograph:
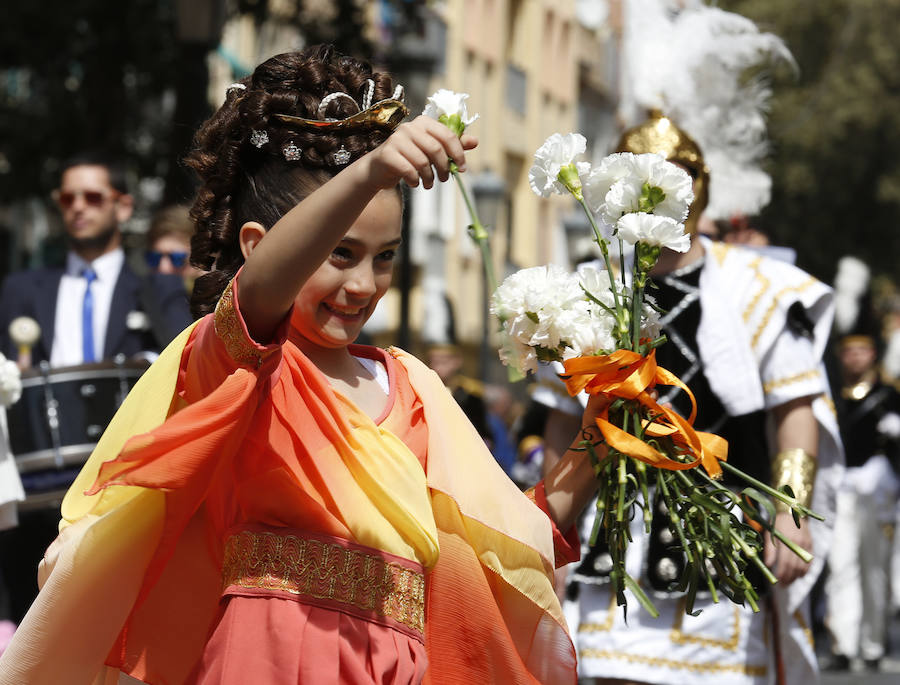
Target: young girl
[{"x": 280, "y": 505}]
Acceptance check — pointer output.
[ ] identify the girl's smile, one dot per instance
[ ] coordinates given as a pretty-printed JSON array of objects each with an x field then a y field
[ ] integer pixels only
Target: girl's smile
[{"x": 340, "y": 296}]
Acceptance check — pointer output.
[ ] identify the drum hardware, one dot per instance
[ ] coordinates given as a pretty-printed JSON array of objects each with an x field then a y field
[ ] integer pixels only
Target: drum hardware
[
  {"x": 52, "y": 408},
  {"x": 61, "y": 415},
  {"x": 124, "y": 387}
]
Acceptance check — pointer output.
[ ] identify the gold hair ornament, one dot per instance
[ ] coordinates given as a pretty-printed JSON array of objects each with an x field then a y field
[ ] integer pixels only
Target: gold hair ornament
[
  {"x": 797, "y": 469},
  {"x": 384, "y": 114}
]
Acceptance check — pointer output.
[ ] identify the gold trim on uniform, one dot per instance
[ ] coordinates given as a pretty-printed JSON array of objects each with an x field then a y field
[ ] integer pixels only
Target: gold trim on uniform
[
  {"x": 228, "y": 328},
  {"x": 676, "y": 637},
  {"x": 317, "y": 569},
  {"x": 755, "y": 671},
  {"x": 607, "y": 624},
  {"x": 804, "y": 626},
  {"x": 680, "y": 638},
  {"x": 720, "y": 251},
  {"x": 788, "y": 380},
  {"x": 765, "y": 283},
  {"x": 796, "y": 468},
  {"x": 774, "y": 304}
]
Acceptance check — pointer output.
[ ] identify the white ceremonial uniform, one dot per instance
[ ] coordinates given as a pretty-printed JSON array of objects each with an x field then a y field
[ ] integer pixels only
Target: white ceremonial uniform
[{"x": 751, "y": 363}]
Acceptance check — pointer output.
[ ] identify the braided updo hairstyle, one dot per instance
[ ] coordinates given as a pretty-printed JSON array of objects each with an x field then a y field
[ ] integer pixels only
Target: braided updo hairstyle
[{"x": 242, "y": 181}]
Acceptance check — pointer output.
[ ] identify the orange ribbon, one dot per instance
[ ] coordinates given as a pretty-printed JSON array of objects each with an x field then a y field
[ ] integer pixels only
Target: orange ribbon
[{"x": 631, "y": 376}]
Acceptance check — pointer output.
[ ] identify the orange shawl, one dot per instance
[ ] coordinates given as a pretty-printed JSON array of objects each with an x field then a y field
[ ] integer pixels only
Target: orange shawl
[{"x": 132, "y": 561}]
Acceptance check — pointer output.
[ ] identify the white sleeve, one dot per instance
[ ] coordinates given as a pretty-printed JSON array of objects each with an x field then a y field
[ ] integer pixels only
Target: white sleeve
[{"x": 791, "y": 369}]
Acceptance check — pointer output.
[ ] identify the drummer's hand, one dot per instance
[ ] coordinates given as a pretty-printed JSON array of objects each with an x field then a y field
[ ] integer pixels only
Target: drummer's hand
[{"x": 786, "y": 565}]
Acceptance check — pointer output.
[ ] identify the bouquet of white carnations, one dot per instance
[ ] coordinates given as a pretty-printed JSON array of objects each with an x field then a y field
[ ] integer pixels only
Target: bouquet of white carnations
[{"x": 605, "y": 330}]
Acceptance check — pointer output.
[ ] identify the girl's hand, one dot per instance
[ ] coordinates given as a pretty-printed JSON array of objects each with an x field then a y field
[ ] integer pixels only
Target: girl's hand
[
  {"x": 596, "y": 405},
  {"x": 419, "y": 150}
]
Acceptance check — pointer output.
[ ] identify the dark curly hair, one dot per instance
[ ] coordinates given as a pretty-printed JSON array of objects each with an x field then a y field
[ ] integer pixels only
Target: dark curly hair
[{"x": 241, "y": 182}]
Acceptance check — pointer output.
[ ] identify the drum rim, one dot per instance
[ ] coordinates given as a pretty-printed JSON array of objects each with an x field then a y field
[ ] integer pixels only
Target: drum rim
[
  {"x": 39, "y": 460},
  {"x": 55, "y": 376}
]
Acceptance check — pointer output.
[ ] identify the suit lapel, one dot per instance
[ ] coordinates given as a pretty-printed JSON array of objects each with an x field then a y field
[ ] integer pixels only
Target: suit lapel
[
  {"x": 124, "y": 300},
  {"x": 46, "y": 295}
]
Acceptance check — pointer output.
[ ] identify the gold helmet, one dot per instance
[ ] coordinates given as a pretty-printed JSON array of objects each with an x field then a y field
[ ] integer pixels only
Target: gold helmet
[{"x": 658, "y": 134}]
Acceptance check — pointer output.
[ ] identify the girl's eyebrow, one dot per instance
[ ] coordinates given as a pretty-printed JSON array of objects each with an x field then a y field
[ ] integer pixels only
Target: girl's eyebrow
[{"x": 355, "y": 241}]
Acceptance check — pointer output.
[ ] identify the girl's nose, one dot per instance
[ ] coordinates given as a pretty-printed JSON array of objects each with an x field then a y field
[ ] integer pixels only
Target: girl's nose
[{"x": 361, "y": 281}]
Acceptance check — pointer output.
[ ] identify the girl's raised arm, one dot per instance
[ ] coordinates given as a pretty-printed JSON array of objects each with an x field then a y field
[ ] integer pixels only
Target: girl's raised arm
[{"x": 277, "y": 266}]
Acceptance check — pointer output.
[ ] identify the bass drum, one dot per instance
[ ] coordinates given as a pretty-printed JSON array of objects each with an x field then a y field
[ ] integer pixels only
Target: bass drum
[{"x": 56, "y": 424}]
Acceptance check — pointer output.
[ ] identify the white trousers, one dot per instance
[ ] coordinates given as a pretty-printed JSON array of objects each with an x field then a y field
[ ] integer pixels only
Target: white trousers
[{"x": 858, "y": 584}]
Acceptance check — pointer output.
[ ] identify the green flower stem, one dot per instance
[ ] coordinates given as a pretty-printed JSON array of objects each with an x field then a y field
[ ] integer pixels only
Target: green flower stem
[
  {"x": 478, "y": 232},
  {"x": 792, "y": 502},
  {"x": 604, "y": 249},
  {"x": 791, "y": 545},
  {"x": 622, "y": 480},
  {"x": 751, "y": 555}
]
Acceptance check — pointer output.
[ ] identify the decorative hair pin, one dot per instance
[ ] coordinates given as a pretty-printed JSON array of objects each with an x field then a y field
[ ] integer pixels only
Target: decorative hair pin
[
  {"x": 340, "y": 156},
  {"x": 258, "y": 138},
  {"x": 383, "y": 114},
  {"x": 235, "y": 86},
  {"x": 331, "y": 97},
  {"x": 291, "y": 152}
]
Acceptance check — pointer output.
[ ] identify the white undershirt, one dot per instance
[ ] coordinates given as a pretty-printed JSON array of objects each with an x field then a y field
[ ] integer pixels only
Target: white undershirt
[
  {"x": 378, "y": 371},
  {"x": 67, "y": 347}
]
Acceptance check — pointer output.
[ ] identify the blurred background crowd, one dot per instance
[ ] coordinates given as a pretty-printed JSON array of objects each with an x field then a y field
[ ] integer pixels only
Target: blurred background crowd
[{"x": 134, "y": 80}]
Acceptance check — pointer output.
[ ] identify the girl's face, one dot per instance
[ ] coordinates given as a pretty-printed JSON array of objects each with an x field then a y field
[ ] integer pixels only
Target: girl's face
[{"x": 341, "y": 295}]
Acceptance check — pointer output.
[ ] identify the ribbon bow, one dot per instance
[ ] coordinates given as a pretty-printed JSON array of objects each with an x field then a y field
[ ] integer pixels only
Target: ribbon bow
[{"x": 631, "y": 376}]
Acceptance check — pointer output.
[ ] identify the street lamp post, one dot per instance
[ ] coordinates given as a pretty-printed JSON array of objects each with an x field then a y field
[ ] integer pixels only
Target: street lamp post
[{"x": 489, "y": 194}]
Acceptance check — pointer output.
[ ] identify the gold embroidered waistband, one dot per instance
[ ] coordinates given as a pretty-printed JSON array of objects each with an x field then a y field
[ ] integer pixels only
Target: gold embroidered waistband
[{"x": 330, "y": 572}]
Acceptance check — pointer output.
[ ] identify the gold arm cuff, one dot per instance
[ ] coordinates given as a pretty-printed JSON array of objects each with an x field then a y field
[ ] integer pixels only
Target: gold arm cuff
[{"x": 796, "y": 468}]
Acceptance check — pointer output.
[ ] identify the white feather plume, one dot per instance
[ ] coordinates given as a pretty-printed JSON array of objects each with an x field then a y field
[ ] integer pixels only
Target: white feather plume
[
  {"x": 850, "y": 284},
  {"x": 691, "y": 62}
]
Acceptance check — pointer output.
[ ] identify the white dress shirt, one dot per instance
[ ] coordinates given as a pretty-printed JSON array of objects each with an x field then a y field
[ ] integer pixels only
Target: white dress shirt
[{"x": 67, "y": 335}]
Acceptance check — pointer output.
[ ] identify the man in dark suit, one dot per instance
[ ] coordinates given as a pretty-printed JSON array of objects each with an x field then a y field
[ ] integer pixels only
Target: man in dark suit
[
  {"x": 94, "y": 308},
  {"x": 127, "y": 314}
]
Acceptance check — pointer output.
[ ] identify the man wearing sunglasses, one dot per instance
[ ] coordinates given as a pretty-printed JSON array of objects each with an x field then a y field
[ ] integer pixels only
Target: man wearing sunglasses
[
  {"x": 92, "y": 308},
  {"x": 95, "y": 307}
]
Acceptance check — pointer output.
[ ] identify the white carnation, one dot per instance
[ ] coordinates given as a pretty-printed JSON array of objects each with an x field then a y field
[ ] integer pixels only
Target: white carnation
[
  {"x": 10, "y": 382},
  {"x": 540, "y": 307},
  {"x": 448, "y": 103},
  {"x": 558, "y": 151},
  {"x": 615, "y": 186},
  {"x": 651, "y": 229},
  {"x": 650, "y": 323}
]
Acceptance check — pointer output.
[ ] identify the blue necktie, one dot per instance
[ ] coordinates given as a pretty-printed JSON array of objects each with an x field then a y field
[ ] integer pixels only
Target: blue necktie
[{"x": 87, "y": 317}]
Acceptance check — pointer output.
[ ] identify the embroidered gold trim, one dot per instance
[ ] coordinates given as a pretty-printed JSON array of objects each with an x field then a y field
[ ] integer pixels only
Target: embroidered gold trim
[
  {"x": 720, "y": 251},
  {"x": 774, "y": 304},
  {"x": 607, "y": 624},
  {"x": 228, "y": 328},
  {"x": 680, "y": 638},
  {"x": 324, "y": 570},
  {"x": 765, "y": 283},
  {"x": 788, "y": 380},
  {"x": 798, "y": 616},
  {"x": 757, "y": 671}
]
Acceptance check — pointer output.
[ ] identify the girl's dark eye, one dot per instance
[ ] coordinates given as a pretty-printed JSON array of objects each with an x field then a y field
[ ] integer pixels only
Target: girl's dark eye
[
  {"x": 387, "y": 255},
  {"x": 342, "y": 253}
]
